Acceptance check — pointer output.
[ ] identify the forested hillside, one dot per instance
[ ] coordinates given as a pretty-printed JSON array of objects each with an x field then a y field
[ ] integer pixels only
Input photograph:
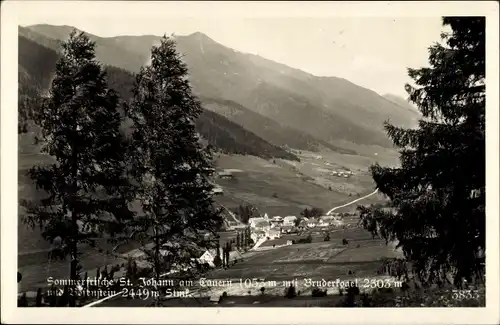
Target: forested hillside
[
  {"x": 267, "y": 128},
  {"x": 37, "y": 63}
]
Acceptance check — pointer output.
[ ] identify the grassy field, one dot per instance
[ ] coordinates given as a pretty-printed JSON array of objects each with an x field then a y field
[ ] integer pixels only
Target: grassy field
[
  {"x": 319, "y": 260},
  {"x": 276, "y": 187},
  {"x": 286, "y": 188}
]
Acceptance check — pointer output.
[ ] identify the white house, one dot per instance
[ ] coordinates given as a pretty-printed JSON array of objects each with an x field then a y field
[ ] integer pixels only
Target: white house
[
  {"x": 262, "y": 225},
  {"x": 273, "y": 234},
  {"x": 287, "y": 229},
  {"x": 217, "y": 191},
  {"x": 257, "y": 234},
  {"x": 289, "y": 220},
  {"x": 252, "y": 222},
  {"x": 324, "y": 221},
  {"x": 337, "y": 223},
  {"x": 225, "y": 174},
  {"x": 208, "y": 258},
  {"x": 235, "y": 256},
  {"x": 311, "y": 223}
]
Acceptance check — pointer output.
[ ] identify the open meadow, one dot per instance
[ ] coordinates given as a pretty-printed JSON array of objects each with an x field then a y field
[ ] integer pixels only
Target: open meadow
[{"x": 276, "y": 269}]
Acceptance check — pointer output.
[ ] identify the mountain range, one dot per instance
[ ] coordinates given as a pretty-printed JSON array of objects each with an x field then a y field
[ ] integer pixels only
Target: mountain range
[{"x": 252, "y": 105}]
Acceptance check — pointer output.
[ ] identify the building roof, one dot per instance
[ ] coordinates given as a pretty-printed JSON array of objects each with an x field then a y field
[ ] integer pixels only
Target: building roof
[
  {"x": 262, "y": 223},
  {"x": 235, "y": 255},
  {"x": 255, "y": 220},
  {"x": 290, "y": 218}
]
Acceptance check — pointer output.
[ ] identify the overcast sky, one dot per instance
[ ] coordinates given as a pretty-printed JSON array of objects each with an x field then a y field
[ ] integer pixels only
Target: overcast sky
[{"x": 373, "y": 52}]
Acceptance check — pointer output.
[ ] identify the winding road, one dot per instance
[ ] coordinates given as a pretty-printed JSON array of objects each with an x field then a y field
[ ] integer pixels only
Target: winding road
[{"x": 352, "y": 202}]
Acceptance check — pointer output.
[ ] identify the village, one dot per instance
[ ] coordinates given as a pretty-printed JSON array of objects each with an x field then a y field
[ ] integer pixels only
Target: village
[{"x": 275, "y": 232}]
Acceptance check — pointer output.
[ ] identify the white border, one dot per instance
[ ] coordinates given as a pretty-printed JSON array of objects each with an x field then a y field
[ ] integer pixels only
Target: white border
[{"x": 11, "y": 314}]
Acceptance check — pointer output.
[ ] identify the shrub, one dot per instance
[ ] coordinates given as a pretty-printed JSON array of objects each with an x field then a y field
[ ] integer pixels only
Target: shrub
[
  {"x": 317, "y": 292},
  {"x": 366, "y": 301},
  {"x": 327, "y": 237},
  {"x": 345, "y": 241},
  {"x": 39, "y": 297},
  {"x": 353, "y": 290},
  {"x": 105, "y": 273},
  {"x": 262, "y": 290},
  {"x": 22, "y": 301},
  {"x": 306, "y": 240},
  {"x": 217, "y": 261},
  {"x": 290, "y": 292}
]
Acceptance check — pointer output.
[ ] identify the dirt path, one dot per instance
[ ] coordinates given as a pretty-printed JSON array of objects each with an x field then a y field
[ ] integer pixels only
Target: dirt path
[{"x": 352, "y": 202}]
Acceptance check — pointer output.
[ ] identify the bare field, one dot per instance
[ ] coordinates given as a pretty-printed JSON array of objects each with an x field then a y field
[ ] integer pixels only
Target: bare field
[
  {"x": 291, "y": 185},
  {"x": 315, "y": 260}
]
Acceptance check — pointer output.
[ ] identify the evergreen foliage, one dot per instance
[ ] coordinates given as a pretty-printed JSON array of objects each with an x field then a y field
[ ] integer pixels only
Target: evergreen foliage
[
  {"x": 437, "y": 196},
  {"x": 79, "y": 124},
  {"x": 169, "y": 165}
]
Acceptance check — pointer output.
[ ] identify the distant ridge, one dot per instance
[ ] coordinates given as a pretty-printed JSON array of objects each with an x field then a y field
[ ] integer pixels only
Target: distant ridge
[
  {"x": 37, "y": 65},
  {"x": 327, "y": 109}
]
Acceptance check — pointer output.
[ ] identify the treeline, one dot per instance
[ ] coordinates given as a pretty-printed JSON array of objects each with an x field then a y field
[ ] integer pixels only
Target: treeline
[
  {"x": 267, "y": 128},
  {"x": 229, "y": 137}
]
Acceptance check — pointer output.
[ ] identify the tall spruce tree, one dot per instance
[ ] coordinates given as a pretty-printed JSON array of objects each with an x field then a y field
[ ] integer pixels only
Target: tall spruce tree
[
  {"x": 437, "y": 196},
  {"x": 170, "y": 164},
  {"x": 80, "y": 125}
]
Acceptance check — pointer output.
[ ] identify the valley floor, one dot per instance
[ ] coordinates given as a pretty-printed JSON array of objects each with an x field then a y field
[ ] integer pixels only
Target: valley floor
[{"x": 276, "y": 187}]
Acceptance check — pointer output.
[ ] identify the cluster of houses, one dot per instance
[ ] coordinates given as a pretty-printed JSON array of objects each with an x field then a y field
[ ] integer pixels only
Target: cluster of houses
[
  {"x": 345, "y": 174},
  {"x": 272, "y": 228}
]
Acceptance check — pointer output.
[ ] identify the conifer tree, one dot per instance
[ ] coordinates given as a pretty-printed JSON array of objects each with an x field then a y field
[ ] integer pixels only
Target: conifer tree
[
  {"x": 243, "y": 240},
  {"x": 80, "y": 127},
  {"x": 437, "y": 196},
  {"x": 228, "y": 250},
  {"x": 238, "y": 240},
  {"x": 170, "y": 164},
  {"x": 248, "y": 236},
  {"x": 217, "y": 258}
]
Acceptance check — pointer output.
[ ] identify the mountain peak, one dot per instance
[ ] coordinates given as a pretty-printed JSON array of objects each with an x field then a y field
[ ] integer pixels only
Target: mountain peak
[{"x": 199, "y": 36}]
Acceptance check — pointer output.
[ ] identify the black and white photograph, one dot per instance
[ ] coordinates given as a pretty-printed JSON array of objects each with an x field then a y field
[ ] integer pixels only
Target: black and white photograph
[{"x": 218, "y": 155}]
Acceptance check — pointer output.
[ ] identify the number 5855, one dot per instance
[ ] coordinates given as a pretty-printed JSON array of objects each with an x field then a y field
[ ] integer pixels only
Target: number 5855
[{"x": 465, "y": 294}]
